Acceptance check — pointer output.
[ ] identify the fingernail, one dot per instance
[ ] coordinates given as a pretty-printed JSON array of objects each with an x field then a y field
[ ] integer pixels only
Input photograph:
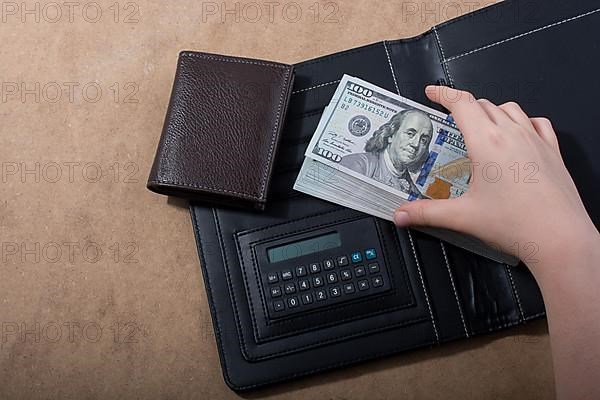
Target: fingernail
[{"x": 401, "y": 218}]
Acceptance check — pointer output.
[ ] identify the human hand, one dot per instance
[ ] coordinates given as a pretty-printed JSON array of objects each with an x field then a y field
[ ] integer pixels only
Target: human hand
[{"x": 520, "y": 192}]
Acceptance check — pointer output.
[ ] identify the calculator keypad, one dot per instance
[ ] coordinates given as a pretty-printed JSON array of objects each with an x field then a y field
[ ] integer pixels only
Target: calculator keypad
[{"x": 322, "y": 283}]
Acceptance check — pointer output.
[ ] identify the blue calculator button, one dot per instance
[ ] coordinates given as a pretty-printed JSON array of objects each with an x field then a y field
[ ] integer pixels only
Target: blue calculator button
[
  {"x": 370, "y": 254},
  {"x": 356, "y": 257}
]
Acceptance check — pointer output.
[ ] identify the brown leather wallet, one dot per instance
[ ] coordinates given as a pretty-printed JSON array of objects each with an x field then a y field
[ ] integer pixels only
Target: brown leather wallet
[{"x": 222, "y": 129}]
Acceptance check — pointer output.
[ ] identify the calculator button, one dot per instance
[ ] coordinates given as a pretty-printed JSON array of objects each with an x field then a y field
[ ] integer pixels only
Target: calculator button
[
  {"x": 342, "y": 261},
  {"x": 278, "y": 305},
  {"x": 307, "y": 298},
  {"x": 360, "y": 271},
  {"x": 286, "y": 275},
  {"x": 377, "y": 281},
  {"x": 321, "y": 295},
  {"x": 349, "y": 288},
  {"x": 290, "y": 288},
  {"x": 335, "y": 291},
  {"x": 301, "y": 271},
  {"x": 275, "y": 291},
  {"x": 318, "y": 281},
  {"x": 328, "y": 264},
  {"x": 373, "y": 268},
  {"x": 346, "y": 274},
  {"x": 293, "y": 302},
  {"x": 272, "y": 277},
  {"x": 356, "y": 257},
  {"x": 363, "y": 285},
  {"x": 332, "y": 277},
  {"x": 304, "y": 284},
  {"x": 315, "y": 267},
  {"x": 370, "y": 254}
]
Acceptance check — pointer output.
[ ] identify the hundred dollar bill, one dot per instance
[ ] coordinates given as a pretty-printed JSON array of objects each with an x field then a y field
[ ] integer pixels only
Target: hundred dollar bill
[
  {"x": 391, "y": 142},
  {"x": 374, "y": 150}
]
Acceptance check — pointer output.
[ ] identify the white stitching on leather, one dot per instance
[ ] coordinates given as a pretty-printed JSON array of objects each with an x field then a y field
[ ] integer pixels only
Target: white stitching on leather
[
  {"x": 316, "y": 86},
  {"x": 535, "y": 316},
  {"x": 514, "y": 288},
  {"x": 462, "y": 317},
  {"x": 236, "y": 61},
  {"x": 387, "y": 53},
  {"x": 196, "y": 186},
  {"x": 412, "y": 245},
  {"x": 443, "y": 62},
  {"x": 521, "y": 35}
]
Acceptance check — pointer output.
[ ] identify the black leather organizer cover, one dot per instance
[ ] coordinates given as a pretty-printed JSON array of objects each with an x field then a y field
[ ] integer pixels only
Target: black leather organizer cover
[{"x": 545, "y": 57}]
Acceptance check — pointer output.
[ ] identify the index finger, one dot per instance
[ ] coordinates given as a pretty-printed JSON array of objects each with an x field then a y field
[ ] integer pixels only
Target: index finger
[{"x": 466, "y": 111}]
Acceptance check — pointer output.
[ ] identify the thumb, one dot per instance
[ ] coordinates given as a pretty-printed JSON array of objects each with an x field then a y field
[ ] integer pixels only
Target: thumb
[{"x": 449, "y": 214}]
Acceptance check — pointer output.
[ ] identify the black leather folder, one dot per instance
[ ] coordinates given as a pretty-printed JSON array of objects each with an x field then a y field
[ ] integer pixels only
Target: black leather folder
[{"x": 268, "y": 274}]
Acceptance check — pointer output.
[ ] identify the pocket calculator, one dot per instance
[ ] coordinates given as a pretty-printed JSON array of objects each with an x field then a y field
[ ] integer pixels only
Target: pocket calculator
[{"x": 319, "y": 269}]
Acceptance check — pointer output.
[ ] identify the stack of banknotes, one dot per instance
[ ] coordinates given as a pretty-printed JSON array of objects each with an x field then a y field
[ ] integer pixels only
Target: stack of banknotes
[{"x": 374, "y": 150}]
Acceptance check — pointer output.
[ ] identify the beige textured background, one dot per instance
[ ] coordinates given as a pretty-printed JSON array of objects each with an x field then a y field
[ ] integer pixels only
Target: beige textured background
[{"x": 100, "y": 289}]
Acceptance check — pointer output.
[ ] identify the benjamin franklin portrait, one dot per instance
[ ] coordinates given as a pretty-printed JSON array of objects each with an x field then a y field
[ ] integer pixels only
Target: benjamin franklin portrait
[{"x": 398, "y": 148}]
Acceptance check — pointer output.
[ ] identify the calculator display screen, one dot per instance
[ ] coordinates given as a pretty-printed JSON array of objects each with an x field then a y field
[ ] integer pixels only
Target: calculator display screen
[{"x": 304, "y": 247}]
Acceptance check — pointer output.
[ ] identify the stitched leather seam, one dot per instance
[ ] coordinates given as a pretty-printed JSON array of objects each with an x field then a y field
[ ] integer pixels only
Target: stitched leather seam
[
  {"x": 235, "y": 61},
  {"x": 337, "y": 209},
  {"x": 241, "y": 341},
  {"x": 316, "y": 86},
  {"x": 290, "y": 233},
  {"x": 333, "y": 307},
  {"x": 216, "y": 324},
  {"x": 387, "y": 53},
  {"x": 535, "y": 315},
  {"x": 331, "y": 57},
  {"x": 338, "y": 338},
  {"x": 278, "y": 117},
  {"x": 462, "y": 317},
  {"x": 405, "y": 269},
  {"x": 259, "y": 285},
  {"x": 412, "y": 245},
  {"x": 514, "y": 289},
  {"x": 478, "y": 49},
  {"x": 336, "y": 365},
  {"x": 391, "y": 270},
  {"x": 356, "y": 360},
  {"x": 196, "y": 186},
  {"x": 443, "y": 58},
  {"x": 247, "y": 287},
  {"x": 496, "y": 327}
]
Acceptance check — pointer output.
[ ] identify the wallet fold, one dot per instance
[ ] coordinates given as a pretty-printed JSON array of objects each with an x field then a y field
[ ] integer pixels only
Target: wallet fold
[{"x": 222, "y": 129}]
